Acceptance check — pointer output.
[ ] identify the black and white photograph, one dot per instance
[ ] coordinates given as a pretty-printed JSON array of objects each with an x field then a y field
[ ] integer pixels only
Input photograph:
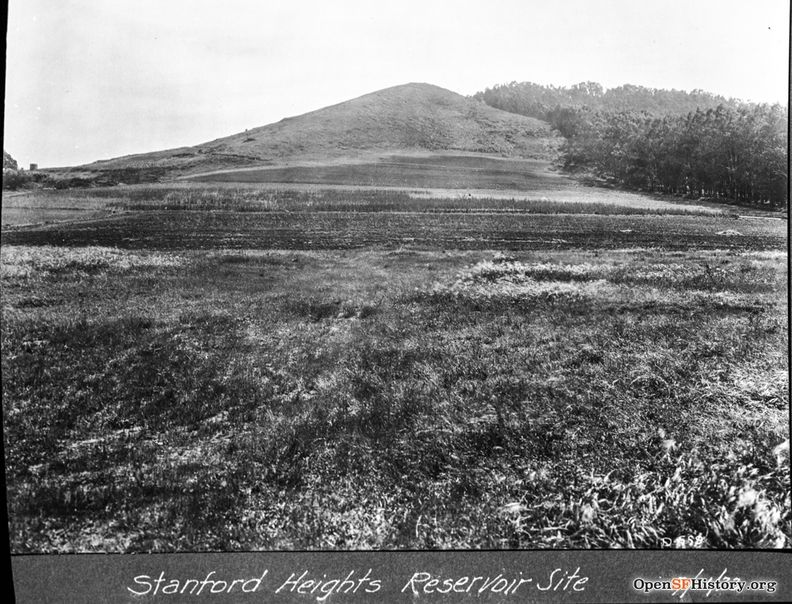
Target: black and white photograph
[{"x": 426, "y": 275}]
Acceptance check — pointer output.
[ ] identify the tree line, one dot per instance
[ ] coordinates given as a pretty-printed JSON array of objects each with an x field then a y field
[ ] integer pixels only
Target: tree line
[{"x": 695, "y": 144}]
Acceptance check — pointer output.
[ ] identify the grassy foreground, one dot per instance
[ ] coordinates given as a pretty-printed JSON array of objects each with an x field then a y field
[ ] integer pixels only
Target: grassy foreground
[{"x": 237, "y": 399}]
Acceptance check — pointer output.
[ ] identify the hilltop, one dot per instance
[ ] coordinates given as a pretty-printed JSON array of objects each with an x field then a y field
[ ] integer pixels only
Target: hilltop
[{"x": 407, "y": 118}]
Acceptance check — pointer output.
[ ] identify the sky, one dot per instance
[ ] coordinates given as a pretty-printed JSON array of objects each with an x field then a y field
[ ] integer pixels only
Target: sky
[{"x": 95, "y": 79}]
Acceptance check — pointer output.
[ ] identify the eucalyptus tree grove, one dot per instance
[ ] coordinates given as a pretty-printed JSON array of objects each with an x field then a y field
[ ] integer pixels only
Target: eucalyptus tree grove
[{"x": 694, "y": 144}]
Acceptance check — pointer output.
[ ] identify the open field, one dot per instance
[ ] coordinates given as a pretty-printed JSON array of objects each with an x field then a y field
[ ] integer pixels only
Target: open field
[
  {"x": 439, "y": 171},
  {"x": 423, "y": 182},
  {"x": 41, "y": 207},
  {"x": 30, "y": 216},
  {"x": 341, "y": 372},
  {"x": 350, "y": 230},
  {"x": 49, "y": 206}
]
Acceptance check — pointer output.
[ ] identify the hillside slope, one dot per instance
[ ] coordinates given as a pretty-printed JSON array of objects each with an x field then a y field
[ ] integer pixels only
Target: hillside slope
[{"x": 406, "y": 118}]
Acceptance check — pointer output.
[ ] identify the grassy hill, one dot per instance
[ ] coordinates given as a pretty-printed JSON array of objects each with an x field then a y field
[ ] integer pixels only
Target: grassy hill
[{"x": 412, "y": 118}]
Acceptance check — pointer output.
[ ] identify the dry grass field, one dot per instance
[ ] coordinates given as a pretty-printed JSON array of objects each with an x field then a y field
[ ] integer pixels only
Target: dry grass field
[
  {"x": 421, "y": 182},
  {"x": 243, "y": 368}
]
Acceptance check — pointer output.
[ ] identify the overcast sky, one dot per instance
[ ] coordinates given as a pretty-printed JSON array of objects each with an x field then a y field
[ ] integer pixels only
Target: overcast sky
[{"x": 94, "y": 79}]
